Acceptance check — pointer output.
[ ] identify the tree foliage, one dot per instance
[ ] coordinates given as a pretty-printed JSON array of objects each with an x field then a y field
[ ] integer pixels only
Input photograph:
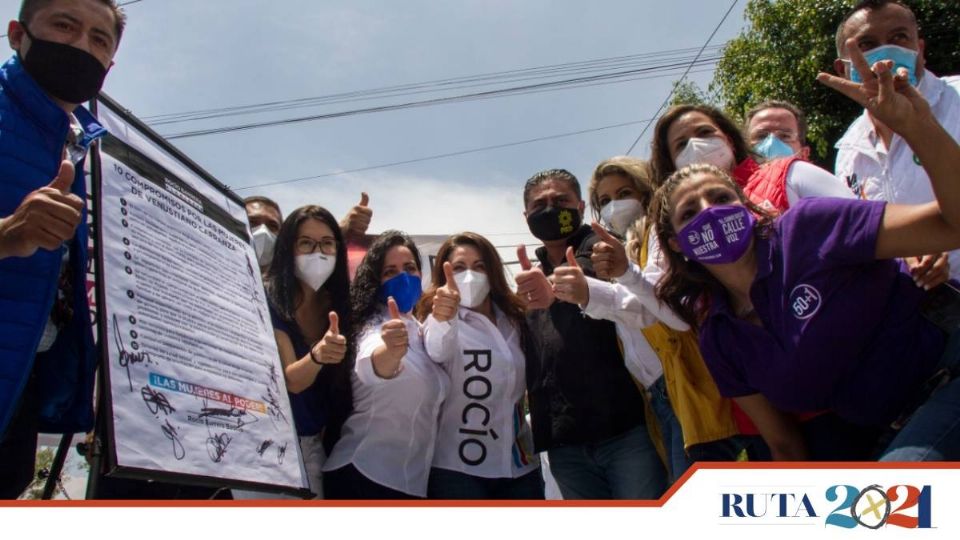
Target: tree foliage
[
  {"x": 787, "y": 42},
  {"x": 685, "y": 92}
]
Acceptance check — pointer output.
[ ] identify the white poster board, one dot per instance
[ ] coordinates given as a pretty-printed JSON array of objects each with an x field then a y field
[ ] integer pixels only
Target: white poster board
[{"x": 195, "y": 383}]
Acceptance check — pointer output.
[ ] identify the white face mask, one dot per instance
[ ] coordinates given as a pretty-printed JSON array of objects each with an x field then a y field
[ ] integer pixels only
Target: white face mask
[
  {"x": 474, "y": 287},
  {"x": 314, "y": 269},
  {"x": 619, "y": 215},
  {"x": 712, "y": 151},
  {"x": 263, "y": 242}
]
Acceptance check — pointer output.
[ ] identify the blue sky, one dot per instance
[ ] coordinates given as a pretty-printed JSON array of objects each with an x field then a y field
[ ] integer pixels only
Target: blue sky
[{"x": 185, "y": 55}]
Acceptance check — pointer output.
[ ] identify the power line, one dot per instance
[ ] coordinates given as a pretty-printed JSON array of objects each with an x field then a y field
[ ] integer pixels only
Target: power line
[
  {"x": 439, "y": 156},
  {"x": 511, "y": 91},
  {"x": 682, "y": 78},
  {"x": 472, "y": 81},
  {"x": 517, "y": 75}
]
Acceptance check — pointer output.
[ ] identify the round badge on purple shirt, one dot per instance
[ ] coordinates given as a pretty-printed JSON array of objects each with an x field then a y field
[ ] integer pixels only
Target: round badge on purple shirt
[
  {"x": 805, "y": 301},
  {"x": 717, "y": 235}
]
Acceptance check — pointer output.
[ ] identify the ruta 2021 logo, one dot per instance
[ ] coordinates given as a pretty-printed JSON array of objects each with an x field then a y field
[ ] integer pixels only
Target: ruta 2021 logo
[{"x": 850, "y": 507}]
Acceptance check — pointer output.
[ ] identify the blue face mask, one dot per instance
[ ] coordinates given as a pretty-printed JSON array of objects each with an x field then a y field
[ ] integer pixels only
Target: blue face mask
[
  {"x": 901, "y": 57},
  {"x": 404, "y": 288},
  {"x": 772, "y": 148}
]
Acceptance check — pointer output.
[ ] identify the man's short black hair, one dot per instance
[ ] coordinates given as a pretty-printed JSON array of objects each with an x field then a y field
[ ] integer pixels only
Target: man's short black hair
[
  {"x": 551, "y": 174},
  {"x": 869, "y": 5},
  {"x": 30, "y": 7},
  {"x": 264, "y": 201},
  {"x": 787, "y": 106}
]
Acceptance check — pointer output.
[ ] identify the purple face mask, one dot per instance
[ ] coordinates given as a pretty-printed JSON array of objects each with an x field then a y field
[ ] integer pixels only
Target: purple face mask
[{"x": 718, "y": 235}]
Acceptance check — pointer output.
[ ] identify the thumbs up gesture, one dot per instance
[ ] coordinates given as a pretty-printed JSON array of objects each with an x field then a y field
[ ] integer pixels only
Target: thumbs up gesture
[
  {"x": 394, "y": 332},
  {"x": 569, "y": 283},
  {"x": 533, "y": 287},
  {"x": 46, "y": 218},
  {"x": 333, "y": 347},
  {"x": 609, "y": 257},
  {"x": 447, "y": 300},
  {"x": 387, "y": 358},
  {"x": 355, "y": 224}
]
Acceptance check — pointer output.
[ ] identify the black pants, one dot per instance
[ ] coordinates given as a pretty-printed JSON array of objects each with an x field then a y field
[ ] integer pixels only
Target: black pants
[
  {"x": 349, "y": 483},
  {"x": 18, "y": 446}
]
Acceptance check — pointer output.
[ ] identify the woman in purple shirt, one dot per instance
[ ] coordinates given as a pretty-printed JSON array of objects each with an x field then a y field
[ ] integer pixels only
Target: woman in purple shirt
[{"x": 810, "y": 311}]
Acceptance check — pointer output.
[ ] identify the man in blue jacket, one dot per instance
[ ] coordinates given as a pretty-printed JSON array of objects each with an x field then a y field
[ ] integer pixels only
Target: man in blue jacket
[{"x": 64, "y": 49}]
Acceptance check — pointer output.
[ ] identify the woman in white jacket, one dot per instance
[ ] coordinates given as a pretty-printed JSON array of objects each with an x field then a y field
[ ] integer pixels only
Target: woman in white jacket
[
  {"x": 387, "y": 444},
  {"x": 473, "y": 327}
]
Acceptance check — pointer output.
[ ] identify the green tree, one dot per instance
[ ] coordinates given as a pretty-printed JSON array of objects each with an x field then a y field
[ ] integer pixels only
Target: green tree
[
  {"x": 688, "y": 92},
  {"x": 787, "y": 42}
]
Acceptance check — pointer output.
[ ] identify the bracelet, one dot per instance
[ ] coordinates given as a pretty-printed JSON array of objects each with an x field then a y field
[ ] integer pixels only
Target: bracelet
[
  {"x": 313, "y": 357},
  {"x": 392, "y": 375}
]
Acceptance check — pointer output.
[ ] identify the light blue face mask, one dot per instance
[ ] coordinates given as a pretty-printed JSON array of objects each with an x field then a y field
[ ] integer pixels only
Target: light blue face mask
[
  {"x": 902, "y": 57},
  {"x": 772, "y": 148}
]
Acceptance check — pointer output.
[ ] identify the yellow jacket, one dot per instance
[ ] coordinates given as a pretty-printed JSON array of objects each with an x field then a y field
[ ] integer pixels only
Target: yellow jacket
[{"x": 704, "y": 415}]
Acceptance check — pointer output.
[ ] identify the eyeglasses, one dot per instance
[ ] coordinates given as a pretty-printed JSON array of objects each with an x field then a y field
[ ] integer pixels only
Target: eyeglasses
[
  {"x": 306, "y": 245},
  {"x": 785, "y": 136}
]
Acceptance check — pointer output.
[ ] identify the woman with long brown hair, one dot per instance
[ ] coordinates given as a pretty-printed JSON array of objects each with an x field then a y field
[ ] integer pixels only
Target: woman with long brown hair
[
  {"x": 810, "y": 311},
  {"x": 661, "y": 354},
  {"x": 690, "y": 134},
  {"x": 474, "y": 327}
]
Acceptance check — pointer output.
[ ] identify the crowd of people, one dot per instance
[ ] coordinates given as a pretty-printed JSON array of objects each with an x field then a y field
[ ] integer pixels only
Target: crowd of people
[{"x": 729, "y": 301}]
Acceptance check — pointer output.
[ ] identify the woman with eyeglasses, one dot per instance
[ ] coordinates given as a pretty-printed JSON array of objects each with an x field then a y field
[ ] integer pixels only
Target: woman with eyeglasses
[
  {"x": 387, "y": 444},
  {"x": 307, "y": 289},
  {"x": 473, "y": 328}
]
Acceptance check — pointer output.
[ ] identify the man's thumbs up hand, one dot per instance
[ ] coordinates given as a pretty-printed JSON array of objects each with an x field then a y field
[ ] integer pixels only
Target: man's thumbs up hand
[
  {"x": 46, "y": 218},
  {"x": 532, "y": 285},
  {"x": 569, "y": 283}
]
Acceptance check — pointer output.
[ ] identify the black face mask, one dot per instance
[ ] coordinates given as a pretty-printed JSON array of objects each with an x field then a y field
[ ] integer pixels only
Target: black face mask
[
  {"x": 554, "y": 223},
  {"x": 64, "y": 72}
]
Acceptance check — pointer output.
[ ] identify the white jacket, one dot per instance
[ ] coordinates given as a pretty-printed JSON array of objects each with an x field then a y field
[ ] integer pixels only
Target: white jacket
[
  {"x": 895, "y": 175},
  {"x": 631, "y": 304},
  {"x": 391, "y": 434},
  {"x": 483, "y": 431}
]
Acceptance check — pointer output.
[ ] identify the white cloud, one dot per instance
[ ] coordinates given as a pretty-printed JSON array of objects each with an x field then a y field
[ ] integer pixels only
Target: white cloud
[
  {"x": 414, "y": 204},
  {"x": 420, "y": 206}
]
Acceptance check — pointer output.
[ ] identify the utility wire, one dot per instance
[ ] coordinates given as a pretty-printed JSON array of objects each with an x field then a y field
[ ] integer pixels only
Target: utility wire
[
  {"x": 682, "y": 78},
  {"x": 516, "y": 90},
  {"x": 473, "y": 81},
  {"x": 520, "y": 75},
  {"x": 439, "y": 156},
  {"x": 368, "y": 97}
]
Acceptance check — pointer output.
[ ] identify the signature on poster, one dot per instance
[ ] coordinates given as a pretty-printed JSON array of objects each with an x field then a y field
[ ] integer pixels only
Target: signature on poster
[
  {"x": 128, "y": 358},
  {"x": 217, "y": 446},
  {"x": 172, "y": 433},
  {"x": 156, "y": 401}
]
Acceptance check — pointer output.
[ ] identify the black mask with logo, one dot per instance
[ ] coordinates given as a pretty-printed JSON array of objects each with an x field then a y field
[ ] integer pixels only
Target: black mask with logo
[
  {"x": 64, "y": 72},
  {"x": 554, "y": 223}
]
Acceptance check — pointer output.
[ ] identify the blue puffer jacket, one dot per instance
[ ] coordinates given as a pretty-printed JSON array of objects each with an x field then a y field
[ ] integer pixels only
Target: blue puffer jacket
[{"x": 32, "y": 134}]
